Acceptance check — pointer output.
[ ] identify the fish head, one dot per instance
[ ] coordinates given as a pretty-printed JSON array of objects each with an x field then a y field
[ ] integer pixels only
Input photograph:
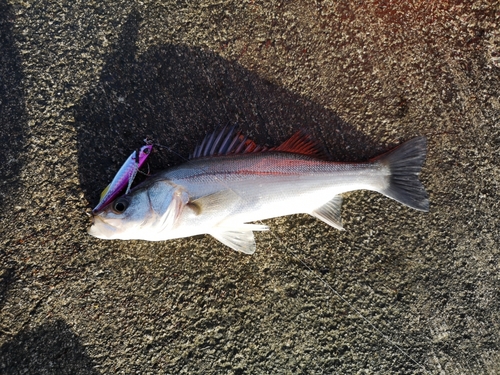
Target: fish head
[{"x": 148, "y": 212}]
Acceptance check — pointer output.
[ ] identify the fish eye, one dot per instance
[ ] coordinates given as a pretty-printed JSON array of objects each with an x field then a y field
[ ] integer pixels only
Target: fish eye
[{"x": 120, "y": 206}]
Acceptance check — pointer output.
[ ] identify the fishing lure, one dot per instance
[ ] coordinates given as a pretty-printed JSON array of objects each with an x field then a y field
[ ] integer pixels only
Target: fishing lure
[{"x": 124, "y": 177}]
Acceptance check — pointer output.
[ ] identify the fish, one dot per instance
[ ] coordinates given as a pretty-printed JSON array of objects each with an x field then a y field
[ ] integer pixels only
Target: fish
[
  {"x": 229, "y": 183},
  {"x": 124, "y": 176}
]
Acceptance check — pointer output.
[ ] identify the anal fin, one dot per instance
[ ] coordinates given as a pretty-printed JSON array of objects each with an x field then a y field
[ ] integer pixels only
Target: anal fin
[
  {"x": 330, "y": 212},
  {"x": 239, "y": 238}
]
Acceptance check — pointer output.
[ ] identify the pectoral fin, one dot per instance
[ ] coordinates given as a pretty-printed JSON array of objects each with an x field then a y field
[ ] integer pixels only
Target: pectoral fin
[
  {"x": 215, "y": 203},
  {"x": 239, "y": 238},
  {"x": 330, "y": 212}
]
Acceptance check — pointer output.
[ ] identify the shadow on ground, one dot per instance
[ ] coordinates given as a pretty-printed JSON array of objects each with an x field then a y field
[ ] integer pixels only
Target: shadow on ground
[
  {"x": 12, "y": 112},
  {"x": 13, "y": 135},
  {"x": 177, "y": 94},
  {"x": 49, "y": 349}
]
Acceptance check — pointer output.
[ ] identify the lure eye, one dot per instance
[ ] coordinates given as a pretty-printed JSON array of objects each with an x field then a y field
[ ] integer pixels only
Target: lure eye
[{"x": 120, "y": 206}]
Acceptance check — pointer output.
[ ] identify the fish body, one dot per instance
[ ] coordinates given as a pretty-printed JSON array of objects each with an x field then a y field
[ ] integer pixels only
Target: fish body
[
  {"x": 231, "y": 181},
  {"x": 124, "y": 176}
]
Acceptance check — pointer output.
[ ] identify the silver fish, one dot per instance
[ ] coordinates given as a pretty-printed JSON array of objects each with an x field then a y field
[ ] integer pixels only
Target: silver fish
[{"x": 229, "y": 181}]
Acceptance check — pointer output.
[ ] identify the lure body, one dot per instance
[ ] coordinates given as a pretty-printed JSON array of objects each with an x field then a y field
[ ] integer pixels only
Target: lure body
[{"x": 124, "y": 177}]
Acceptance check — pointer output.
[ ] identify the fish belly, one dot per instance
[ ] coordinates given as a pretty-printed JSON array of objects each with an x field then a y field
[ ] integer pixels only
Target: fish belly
[{"x": 271, "y": 199}]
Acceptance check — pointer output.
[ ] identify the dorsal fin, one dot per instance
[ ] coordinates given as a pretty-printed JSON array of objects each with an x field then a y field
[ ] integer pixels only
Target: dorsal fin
[
  {"x": 230, "y": 142},
  {"x": 301, "y": 143},
  {"x": 225, "y": 142}
]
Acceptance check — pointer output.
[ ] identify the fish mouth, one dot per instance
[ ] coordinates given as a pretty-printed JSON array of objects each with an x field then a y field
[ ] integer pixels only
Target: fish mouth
[{"x": 101, "y": 229}]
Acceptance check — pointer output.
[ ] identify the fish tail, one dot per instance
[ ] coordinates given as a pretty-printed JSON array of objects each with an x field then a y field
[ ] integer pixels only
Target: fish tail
[{"x": 405, "y": 163}]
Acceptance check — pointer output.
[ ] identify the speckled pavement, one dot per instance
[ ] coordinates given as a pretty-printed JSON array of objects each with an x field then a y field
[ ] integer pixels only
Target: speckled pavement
[{"x": 399, "y": 292}]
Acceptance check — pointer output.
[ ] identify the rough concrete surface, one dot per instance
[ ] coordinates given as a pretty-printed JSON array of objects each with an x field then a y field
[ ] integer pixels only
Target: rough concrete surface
[{"x": 398, "y": 292}]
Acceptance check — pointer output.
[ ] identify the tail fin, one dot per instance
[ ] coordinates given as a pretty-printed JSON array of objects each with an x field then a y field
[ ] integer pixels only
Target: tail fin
[{"x": 405, "y": 163}]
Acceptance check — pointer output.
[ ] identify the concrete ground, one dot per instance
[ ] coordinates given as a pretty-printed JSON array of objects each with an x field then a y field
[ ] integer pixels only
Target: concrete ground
[{"x": 399, "y": 292}]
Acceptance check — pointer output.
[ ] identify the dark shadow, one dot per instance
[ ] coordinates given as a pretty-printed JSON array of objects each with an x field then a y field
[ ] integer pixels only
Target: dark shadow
[
  {"x": 50, "y": 349},
  {"x": 177, "y": 94},
  {"x": 7, "y": 278},
  {"x": 13, "y": 125}
]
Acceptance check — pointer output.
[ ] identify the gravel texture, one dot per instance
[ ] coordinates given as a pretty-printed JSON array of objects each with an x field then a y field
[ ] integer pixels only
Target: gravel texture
[{"x": 399, "y": 292}]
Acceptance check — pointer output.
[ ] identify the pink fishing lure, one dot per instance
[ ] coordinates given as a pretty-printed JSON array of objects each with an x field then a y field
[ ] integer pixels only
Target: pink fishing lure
[{"x": 124, "y": 177}]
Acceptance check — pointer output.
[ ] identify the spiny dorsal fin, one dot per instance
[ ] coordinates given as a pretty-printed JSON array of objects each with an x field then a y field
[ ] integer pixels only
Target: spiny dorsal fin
[
  {"x": 301, "y": 143},
  {"x": 225, "y": 142}
]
